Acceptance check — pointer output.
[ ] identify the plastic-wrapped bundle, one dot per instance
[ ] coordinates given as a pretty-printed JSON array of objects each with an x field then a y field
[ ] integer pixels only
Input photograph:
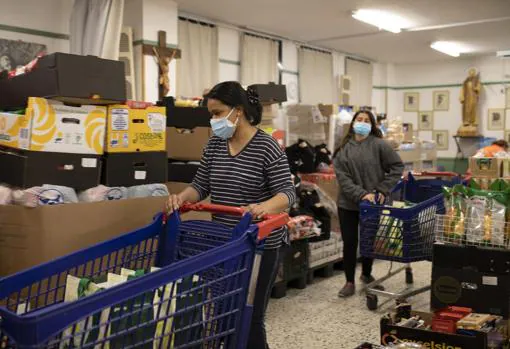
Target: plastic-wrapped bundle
[
  {"x": 45, "y": 196},
  {"x": 103, "y": 193},
  {"x": 148, "y": 190}
]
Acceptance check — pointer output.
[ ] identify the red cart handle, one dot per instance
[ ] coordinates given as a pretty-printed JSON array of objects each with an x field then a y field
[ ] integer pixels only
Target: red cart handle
[
  {"x": 269, "y": 223},
  {"x": 434, "y": 174}
]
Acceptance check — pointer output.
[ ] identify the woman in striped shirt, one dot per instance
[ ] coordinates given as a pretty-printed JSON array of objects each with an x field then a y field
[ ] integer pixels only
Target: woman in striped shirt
[{"x": 244, "y": 167}]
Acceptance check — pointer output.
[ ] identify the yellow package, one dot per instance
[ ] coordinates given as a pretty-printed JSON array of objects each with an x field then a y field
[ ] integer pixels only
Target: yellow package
[
  {"x": 136, "y": 127},
  {"x": 51, "y": 126}
]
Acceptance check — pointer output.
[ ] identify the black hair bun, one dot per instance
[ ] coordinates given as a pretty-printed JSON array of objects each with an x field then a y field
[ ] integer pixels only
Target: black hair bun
[{"x": 253, "y": 96}]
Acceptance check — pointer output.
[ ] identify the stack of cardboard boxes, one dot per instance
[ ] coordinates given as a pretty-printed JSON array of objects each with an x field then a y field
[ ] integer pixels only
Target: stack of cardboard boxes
[
  {"x": 306, "y": 122},
  {"x": 135, "y": 145},
  {"x": 188, "y": 130},
  {"x": 53, "y": 128}
]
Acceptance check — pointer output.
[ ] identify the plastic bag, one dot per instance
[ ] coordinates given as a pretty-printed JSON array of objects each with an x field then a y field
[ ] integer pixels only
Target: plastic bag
[
  {"x": 455, "y": 205},
  {"x": 46, "y": 195},
  {"x": 103, "y": 193},
  {"x": 5, "y": 195},
  {"x": 149, "y": 190}
]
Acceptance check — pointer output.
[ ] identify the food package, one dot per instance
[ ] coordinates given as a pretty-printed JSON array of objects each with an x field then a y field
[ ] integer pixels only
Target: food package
[
  {"x": 45, "y": 195},
  {"x": 486, "y": 213},
  {"x": 148, "y": 190},
  {"x": 302, "y": 227},
  {"x": 454, "y": 219},
  {"x": 389, "y": 239},
  {"x": 103, "y": 193}
]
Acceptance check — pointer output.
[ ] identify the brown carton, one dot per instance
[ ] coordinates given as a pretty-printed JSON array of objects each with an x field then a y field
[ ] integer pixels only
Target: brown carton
[
  {"x": 31, "y": 236},
  {"x": 485, "y": 167}
]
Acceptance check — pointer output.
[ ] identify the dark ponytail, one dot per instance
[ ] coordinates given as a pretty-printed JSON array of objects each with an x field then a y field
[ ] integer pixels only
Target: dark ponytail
[{"x": 231, "y": 93}]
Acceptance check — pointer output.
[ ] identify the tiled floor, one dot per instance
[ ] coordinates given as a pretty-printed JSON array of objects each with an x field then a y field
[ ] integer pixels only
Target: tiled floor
[{"x": 315, "y": 318}]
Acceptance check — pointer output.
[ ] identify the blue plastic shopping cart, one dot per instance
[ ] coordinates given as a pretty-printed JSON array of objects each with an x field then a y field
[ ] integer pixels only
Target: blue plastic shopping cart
[
  {"x": 403, "y": 235},
  {"x": 200, "y": 298}
]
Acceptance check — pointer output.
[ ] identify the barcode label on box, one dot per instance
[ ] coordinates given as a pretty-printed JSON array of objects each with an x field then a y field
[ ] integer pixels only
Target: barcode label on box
[
  {"x": 140, "y": 175},
  {"x": 89, "y": 162},
  {"x": 120, "y": 120},
  {"x": 490, "y": 280},
  {"x": 23, "y": 133},
  {"x": 157, "y": 122}
]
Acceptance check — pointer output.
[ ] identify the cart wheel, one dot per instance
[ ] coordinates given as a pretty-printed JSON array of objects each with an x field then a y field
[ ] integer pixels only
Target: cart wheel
[
  {"x": 409, "y": 277},
  {"x": 372, "y": 301}
]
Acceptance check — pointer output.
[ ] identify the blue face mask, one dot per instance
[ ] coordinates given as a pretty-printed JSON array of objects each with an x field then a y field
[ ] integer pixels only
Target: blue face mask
[
  {"x": 362, "y": 128},
  {"x": 223, "y": 127}
]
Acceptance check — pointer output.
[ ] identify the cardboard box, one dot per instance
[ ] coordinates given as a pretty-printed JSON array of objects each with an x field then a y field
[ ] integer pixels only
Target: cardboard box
[
  {"x": 29, "y": 237},
  {"x": 505, "y": 168},
  {"x": 27, "y": 169},
  {"x": 485, "y": 167},
  {"x": 129, "y": 169},
  {"x": 52, "y": 126},
  {"x": 181, "y": 172},
  {"x": 328, "y": 109},
  {"x": 473, "y": 277},
  {"x": 430, "y": 339},
  {"x": 271, "y": 93},
  {"x": 135, "y": 127},
  {"x": 70, "y": 78},
  {"x": 188, "y": 132},
  {"x": 187, "y": 145}
]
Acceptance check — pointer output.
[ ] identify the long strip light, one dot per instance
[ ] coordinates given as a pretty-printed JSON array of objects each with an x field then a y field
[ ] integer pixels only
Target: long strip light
[
  {"x": 447, "y": 47},
  {"x": 382, "y": 19}
]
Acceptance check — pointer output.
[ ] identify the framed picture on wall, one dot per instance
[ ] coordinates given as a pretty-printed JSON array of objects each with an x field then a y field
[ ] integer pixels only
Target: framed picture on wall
[
  {"x": 411, "y": 101},
  {"x": 441, "y": 100},
  {"x": 496, "y": 119},
  {"x": 425, "y": 120},
  {"x": 441, "y": 139},
  {"x": 507, "y": 97}
]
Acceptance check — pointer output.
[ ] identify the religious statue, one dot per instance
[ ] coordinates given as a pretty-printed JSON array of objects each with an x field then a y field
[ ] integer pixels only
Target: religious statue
[
  {"x": 469, "y": 97},
  {"x": 163, "y": 62}
]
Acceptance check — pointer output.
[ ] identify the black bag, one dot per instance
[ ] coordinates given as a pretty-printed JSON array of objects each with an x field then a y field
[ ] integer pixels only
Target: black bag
[{"x": 301, "y": 157}]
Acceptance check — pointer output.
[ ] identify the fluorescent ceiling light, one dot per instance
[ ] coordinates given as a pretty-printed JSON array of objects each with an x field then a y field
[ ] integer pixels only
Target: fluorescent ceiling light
[
  {"x": 382, "y": 19},
  {"x": 448, "y": 48}
]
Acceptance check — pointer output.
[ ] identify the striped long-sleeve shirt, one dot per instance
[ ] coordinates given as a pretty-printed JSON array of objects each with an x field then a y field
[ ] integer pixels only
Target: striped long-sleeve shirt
[{"x": 256, "y": 174}]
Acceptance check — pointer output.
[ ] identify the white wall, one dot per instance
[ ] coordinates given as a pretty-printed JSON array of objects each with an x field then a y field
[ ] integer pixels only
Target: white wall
[
  {"x": 35, "y": 18},
  {"x": 427, "y": 78}
]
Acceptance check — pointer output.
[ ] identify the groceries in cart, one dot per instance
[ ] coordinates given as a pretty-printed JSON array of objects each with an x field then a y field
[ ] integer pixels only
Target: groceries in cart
[
  {"x": 475, "y": 216},
  {"x": 388, "y": 239}
]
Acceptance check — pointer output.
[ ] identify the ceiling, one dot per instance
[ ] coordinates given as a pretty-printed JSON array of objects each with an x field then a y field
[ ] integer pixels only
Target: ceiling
[{"x": 328, "y": 24}]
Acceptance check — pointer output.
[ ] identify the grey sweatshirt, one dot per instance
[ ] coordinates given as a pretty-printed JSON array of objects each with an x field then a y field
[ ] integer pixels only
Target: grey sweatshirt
[{"x": 364, "y": 167}]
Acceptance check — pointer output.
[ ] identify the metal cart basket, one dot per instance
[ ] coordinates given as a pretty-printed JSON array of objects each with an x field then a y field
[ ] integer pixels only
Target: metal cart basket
[
  {"x": 200, "y": 296},
  {"x": 403, "y": 235}
]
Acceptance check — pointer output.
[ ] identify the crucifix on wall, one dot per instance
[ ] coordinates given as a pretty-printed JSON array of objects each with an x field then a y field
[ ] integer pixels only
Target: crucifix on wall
[{"x": 163, "y": 55}]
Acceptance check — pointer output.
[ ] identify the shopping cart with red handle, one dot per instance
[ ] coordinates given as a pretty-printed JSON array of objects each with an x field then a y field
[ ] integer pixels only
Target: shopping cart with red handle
[
  {"x": 201, "y": 297},
  {"x": 403, "y": 235}
]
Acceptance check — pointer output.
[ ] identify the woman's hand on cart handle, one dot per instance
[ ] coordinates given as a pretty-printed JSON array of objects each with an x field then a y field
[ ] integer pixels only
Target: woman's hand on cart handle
[
  {"x": 173, "y": 203},
  {"x": 374, "y": 198},
  {"x": 258, "y": 211}
]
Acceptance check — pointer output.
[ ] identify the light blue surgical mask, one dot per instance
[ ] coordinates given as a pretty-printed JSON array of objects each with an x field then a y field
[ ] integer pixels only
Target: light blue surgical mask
[
  {"x": 224, "y": 128},
  {"x": 362, "y": 128}
]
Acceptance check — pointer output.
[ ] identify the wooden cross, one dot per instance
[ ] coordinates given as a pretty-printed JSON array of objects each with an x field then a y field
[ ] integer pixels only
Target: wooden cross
[{"x": 163, "y": 56}]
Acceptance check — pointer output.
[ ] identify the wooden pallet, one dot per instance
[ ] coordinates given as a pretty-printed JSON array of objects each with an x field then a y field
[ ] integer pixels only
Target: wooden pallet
[
  {"x": 325, "y": 270},
  {"x": 280, "y": 288}
]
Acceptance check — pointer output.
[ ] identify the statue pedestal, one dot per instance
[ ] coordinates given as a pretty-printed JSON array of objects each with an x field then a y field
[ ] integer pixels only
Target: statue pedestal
[{"x": 468, "y": 131}]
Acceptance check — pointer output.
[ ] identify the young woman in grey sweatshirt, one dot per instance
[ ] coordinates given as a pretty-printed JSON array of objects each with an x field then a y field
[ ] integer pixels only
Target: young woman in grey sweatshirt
[{"x": 365, "y": 164}]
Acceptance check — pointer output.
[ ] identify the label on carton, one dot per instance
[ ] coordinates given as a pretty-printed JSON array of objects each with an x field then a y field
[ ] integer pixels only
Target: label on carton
[
  {"x": 490, "y": 280},
  {"x": 157, "y": 122},
  {"x": 89, "y": 162},
  {"x": 120, "y": 120},
  {"x": 140, "y": 175}
]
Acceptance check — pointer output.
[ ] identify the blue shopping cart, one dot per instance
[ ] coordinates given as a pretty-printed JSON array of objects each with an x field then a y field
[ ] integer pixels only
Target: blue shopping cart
[
  {"x": 200, "y": 296},
  {"x": 403, "y": 235}
]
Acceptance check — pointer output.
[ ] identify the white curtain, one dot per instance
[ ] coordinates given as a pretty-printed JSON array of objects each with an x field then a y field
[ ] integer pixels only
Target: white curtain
[
  {"x": 198, "y": 67},
  {"x": 95, "y": 28},
  {"x": 361, "y": 81},
  {"x": 259, "y": 60},
  {"x": 316, "y": 81}
]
